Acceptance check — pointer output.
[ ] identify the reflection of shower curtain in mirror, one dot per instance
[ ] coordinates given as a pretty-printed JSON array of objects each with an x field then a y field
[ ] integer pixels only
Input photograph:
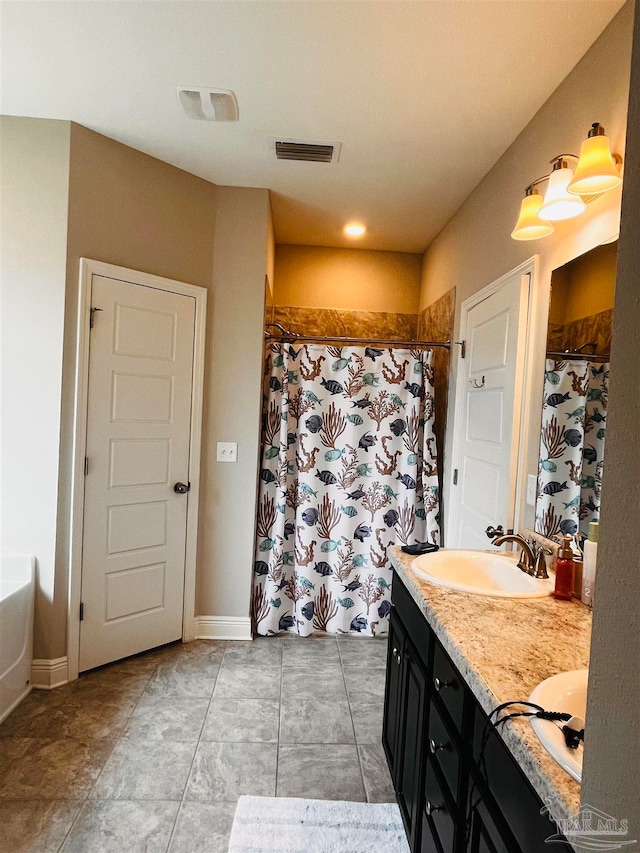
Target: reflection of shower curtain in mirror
[
  {"x": 574, "y": 420},
  {"x": 348, "y": 468}
]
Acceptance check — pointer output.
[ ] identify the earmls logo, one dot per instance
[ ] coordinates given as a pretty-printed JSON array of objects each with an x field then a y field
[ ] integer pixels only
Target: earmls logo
[{"x": 590, "y": 829}]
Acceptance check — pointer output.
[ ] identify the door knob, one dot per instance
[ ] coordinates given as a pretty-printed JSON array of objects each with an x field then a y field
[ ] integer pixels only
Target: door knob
[{"x": 182, "y": 488}]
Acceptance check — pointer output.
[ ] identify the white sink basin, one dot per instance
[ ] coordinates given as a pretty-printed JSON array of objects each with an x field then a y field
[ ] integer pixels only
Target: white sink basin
[
  {"x": 480, "y": 572},
  {"x": 566, "y": 692}
]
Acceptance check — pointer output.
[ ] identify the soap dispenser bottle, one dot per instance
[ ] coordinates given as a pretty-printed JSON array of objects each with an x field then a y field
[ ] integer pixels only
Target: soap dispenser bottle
[
  {"x": 590, "y": 557},
  {"x": 564, "y": 571}
]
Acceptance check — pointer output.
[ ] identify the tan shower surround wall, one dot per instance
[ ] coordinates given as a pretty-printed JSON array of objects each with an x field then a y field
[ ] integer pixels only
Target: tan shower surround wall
[
  {"x": 373, "y": 325},
  {"x": 595, "y": 328}
]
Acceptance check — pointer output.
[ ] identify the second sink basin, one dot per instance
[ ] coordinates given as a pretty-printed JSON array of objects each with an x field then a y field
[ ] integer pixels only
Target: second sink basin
[
  {"x": 480, "y": 572},
  {"x": 566, "y": 692}
]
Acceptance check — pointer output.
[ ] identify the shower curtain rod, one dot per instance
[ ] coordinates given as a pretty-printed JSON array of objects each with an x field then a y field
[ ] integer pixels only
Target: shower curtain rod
[
  {"x": 289, "y": 337},
  {"x": 578, "y": 356}
]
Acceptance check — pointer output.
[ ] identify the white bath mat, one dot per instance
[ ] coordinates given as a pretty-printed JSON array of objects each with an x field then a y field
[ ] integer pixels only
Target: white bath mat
[{"x": 283, "y": 825}]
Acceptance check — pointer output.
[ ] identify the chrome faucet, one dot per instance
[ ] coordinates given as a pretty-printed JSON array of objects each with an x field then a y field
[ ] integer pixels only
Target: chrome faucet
[{"x": 532, "y": 559}]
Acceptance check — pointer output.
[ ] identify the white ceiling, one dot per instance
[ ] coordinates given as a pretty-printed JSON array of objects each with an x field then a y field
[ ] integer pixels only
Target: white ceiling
[{"x": 424, "y": 96}]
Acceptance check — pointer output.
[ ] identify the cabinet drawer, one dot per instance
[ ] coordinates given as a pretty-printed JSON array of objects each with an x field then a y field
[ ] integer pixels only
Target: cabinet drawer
[
  {"x": 443, "y": 750},
  {"x": 438, "y": 811},
  {"x": 448, "y": 686}
]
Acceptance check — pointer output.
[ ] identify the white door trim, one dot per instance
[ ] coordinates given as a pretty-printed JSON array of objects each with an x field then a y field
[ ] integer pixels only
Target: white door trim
[
  {"x": 88, "y": 269},
  {"x": 521, "y": 404}
]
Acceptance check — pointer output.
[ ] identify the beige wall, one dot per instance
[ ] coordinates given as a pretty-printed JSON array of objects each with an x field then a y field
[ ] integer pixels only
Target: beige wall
[
  {"x": 35, "y": 189},
  {"x": 611, "y": 780},
  {"x": 355, "y": 279},
  {"x": 232, "y": 404},
  {"x": 475, "y": 248}
]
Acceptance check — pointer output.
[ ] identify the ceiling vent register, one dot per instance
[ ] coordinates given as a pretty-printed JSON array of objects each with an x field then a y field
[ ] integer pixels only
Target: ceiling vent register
[
  {"x": 208, "y": 104},
  {"x": 307, "y": 152}
]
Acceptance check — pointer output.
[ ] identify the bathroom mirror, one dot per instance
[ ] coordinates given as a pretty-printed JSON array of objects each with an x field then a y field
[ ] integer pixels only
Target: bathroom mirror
[{"x": 576, "y": 388}]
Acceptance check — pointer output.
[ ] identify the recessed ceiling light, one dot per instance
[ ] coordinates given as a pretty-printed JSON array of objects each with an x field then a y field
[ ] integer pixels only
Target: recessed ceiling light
[{"x": 354, "y": 229}]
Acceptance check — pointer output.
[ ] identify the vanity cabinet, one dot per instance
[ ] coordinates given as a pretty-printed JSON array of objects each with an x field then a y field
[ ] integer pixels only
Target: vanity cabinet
[{"x": 458, "y": 787}]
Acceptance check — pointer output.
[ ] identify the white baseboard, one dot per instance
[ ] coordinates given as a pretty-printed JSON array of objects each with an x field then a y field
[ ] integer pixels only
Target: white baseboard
[
  {"x": 223, "y": 628},
  {"x": 47, "y": 674}
]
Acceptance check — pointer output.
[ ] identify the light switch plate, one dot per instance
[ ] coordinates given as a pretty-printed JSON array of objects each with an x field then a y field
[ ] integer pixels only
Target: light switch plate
[
  {"x": 532, "y": 482},
  {"x": 227, "y": 451}
]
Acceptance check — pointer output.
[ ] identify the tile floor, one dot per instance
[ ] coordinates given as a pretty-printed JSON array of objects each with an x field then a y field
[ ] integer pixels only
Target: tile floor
[{"x": 151, "y": 754}]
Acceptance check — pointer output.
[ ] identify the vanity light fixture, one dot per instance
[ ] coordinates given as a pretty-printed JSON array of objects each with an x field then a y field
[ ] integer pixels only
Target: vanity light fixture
[
  {"x": 558, "y": 202},
  {"x": 568, "y": 191},
  {"x": 354, "y": 229},
  {"x": 529, "y": 225},
  {"x": 598, "y": 170}
]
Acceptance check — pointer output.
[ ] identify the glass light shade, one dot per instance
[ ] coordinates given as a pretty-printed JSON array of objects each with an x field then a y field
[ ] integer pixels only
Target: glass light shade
[
  {"x": 596, "y": 171},
  {"x": 529, "y": 226},
  {"x": 558, "y": 202},
  {"x": 354, "y": 229}
]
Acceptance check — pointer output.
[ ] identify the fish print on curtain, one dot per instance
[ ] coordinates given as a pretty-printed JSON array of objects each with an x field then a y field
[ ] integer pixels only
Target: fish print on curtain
[
  {"x": 348, "y": 467},
  {"x": 574, "y": 420}
]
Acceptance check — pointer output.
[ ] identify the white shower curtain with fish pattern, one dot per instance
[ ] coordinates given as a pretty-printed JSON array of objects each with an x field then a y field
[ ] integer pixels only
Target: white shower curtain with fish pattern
[
  {"x": 348, "y": 467},
  {"x": 574, "y": 421}
]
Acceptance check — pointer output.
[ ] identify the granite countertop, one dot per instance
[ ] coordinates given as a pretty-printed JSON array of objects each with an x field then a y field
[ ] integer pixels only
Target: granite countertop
[{"x": 504, "y": 648}]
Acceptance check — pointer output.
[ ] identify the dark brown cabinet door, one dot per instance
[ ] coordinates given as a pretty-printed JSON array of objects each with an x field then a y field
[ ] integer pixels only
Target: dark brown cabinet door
[
  {"x": 393, "y": 708},
  {"x": 485, "y": 837},
  {"x": 412, "y": 739}
]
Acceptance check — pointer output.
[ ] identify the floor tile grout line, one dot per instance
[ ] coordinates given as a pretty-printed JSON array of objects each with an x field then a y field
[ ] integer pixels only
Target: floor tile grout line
[
  {"x": 117, "y": 740},
  {"x": 73, "y": 823},
  {"x": 275, "y": 792},
  {"x": 182, "y": 800},
  {"x": 355, "y": 740},
  {"x": 358, "y": 753}
]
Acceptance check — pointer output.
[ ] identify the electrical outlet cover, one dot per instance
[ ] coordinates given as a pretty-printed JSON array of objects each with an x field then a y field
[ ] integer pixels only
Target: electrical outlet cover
[{"x": 227, "y": 451}]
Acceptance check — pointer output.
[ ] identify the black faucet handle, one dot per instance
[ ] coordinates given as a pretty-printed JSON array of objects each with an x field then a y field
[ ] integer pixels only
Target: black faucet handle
[{"x": 492, "y": 532}]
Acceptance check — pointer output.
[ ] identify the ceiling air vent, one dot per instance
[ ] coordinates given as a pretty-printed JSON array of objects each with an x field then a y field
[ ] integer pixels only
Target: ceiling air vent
[
  {"x": 208, "y": 104},
  {"x": 307, "y": 152}
]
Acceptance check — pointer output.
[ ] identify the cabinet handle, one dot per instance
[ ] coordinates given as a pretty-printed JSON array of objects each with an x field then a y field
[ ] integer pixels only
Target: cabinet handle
[
  {"x": 398, "y": 655},
  {"x": 440, "y": 685},
  {"x": 434, "y": 747},
  {"x": 430, "y": 808}
]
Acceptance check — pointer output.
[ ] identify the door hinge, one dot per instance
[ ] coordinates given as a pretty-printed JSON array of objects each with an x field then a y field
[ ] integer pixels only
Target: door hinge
[
  {"x": 86, "y": 465},
  {"x": 455, "y": 476},
  {"x": 81, "y": 611},
  {"x": 92, "y": 312}
]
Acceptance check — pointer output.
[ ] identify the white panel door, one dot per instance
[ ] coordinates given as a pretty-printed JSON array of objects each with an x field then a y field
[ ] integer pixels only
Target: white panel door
[
  {"x": 486, "y": 423},
  {"x": 138, "y": 428}
]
